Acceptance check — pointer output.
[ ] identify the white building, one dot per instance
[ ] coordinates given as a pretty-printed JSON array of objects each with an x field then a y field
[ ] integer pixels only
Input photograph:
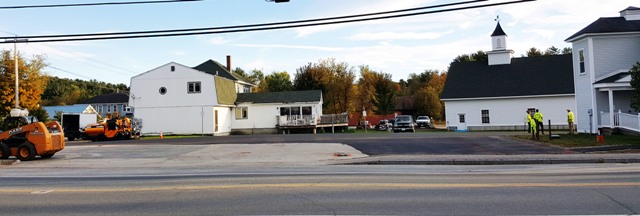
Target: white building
[
  {"x": 495, "y": 94},
  {"x": 272, "y": 111},
  {"x": 603, "y": 53},
  {"x": 176, "y": 99},
  {"x": 208, "y": 99}
]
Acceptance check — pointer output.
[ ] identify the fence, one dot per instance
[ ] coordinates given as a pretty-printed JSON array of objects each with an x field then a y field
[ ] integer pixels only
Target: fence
[{"x": 620, "y": 120}]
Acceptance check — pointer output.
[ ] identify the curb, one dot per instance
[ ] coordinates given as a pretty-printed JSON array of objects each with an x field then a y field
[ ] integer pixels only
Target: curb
[{"x": 493, "y": 159}]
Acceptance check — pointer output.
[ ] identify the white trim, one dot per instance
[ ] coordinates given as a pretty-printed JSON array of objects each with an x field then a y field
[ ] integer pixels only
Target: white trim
[
  {"x": 507, "y": 97},
  {"x": 611, "y": 74},
  {"x": 582, "y": 36},
  {"x": 626, "y": 86},
  {"x": 592, "y": 74}
]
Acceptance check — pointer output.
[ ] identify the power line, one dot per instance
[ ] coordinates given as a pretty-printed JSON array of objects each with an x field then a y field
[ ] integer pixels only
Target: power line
[
  {"x": 94, "y": 4},
  {"x": 221, "y": 30},
  {"x": 69, "y": 72},
  {"x": 250, "y": 25}
]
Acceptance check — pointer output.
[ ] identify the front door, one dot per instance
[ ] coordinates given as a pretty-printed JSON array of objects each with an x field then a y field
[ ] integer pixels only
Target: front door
[
  {"x": 462, "y": 122},
  {"x": 215, "y": 120}
]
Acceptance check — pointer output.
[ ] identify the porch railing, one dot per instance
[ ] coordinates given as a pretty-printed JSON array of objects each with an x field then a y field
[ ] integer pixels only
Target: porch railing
[
  {"x": 620, "y": 120},
  {"x": 334, "y": 118},
  {"x": 297, "y": 120}
]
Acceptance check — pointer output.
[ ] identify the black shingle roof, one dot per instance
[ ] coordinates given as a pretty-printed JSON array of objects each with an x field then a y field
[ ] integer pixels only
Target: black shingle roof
[
  {"x": 608, "y": 25},
  {"x": 528, "y": 76},
  {"x": 280, "y": 97},
  {"x": 214, "y": 68},
  {"x": 613, "y": 78},
  {"x": 108, "y": 98},
  {"x": 498, "y": 31}
]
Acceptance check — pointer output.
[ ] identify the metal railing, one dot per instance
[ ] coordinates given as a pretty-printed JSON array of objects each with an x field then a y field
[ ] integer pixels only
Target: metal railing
[
  {"x": 334, "y": 118},
  {"x": 297, "y": 120}
]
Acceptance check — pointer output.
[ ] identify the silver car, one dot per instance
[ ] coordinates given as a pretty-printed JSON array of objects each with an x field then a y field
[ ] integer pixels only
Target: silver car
[{"x": 404, "y": 123}]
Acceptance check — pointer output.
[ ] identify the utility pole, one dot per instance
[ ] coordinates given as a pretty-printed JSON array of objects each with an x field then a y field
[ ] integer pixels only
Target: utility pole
[{"x": 15, "y": 58}]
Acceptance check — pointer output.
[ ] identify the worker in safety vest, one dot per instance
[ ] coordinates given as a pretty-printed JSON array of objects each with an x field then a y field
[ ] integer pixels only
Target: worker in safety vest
[
  {"x": 528, "y": 120},
  {"x": 570, "y": 120},
  {"x": 535, "y": 135},
  {"x": 538, "y": 117}
]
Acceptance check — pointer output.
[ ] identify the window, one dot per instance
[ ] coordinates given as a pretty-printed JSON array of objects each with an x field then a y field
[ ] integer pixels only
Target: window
[
  {"x": 173, "y": 68},
  {"x": 461, "y": 118},
  {"x": 306, "y": 110},
  {"x": 284, "y": 111},
  {"x": 295, "y": 111},
  {"x": 108, "y": 109},
  {"x": 581, "y": 55},
  {"x": 498, "y": 43},
  {"x": 242, "y": 112},
  {"x": 163, "y": 90},
  {"x": 485, "y": 116},
  {"x": 193, "y": 87},
  {"x": 247, "y": 89}
]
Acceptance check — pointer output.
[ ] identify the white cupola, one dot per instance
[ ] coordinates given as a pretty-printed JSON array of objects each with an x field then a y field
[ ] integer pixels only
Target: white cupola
[
  {"x": 499, "y": 54},
  {"x": 631, "y": 13}
]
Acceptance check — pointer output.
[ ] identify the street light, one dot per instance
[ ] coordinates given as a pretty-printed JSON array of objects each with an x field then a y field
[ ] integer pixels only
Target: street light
[{"x": 15, "y": 57}]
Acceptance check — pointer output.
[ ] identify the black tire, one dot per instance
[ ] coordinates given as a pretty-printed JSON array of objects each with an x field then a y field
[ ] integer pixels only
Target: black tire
[
  {"x": 47, "y": 155},
  {"x": 26, "y": 152},
  {"x": 4, "y": 151}
]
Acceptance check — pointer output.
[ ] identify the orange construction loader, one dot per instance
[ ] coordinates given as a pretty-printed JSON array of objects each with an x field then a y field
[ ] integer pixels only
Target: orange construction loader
[
  {"x": 113, "y": 128},
  {"x": 24, "y": 137}
]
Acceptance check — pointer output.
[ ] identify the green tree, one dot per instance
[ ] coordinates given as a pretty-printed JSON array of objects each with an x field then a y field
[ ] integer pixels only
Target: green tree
[
  {"x": 635, "y": 85},
  {"x": 384, "y": 95},
  {"x": 40, "y": 113},
  {"x": 32, "y": 81},
  {"x": 278, "y": 82},
  {"x": 552, "y": 51},
  {"x": 533, "y": 52},
  {"x": 567, "y": 50},
  {"x": 477, "y": 56},
  {"x": 62, "y": 91}
]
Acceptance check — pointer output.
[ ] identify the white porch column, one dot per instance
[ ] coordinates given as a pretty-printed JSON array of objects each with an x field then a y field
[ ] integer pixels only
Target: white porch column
[{"x": 611, "y": 108}]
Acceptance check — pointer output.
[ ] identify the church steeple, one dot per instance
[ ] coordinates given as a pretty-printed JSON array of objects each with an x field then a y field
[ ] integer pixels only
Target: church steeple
[{"x": 499, "y": 53}]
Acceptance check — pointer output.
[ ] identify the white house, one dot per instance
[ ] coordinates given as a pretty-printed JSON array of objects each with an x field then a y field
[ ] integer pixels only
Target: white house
[
  {"x": 272, "y": 111},
  {"x": 603, "y": 53},
  {"x": 109, "y": 103},
  {"x": 495, "y": 94},
  {"x": 176, "y": 99},
  {"x": 208, "y": 99}
]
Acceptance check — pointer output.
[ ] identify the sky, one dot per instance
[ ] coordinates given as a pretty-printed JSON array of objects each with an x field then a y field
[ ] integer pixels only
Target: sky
[{"x": 399, "y": 46}]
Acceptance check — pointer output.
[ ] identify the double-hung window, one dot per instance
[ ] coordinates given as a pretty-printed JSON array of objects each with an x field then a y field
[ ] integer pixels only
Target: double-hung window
[
  {"x": 485, "y": 116},
  {"x": 193, "y": 87}
]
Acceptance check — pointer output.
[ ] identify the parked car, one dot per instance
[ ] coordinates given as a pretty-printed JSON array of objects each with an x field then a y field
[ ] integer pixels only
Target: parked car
[
  {"x": 424, "y": 121},
  {"x": 404, "y": 123}
]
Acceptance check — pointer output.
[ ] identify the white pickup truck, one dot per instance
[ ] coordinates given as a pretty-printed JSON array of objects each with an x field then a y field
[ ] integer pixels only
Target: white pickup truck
[{"x": 424, "y": 121}]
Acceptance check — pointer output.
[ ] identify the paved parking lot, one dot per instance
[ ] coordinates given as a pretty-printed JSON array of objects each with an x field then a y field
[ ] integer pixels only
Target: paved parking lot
[{"x": 485, "y": 143}]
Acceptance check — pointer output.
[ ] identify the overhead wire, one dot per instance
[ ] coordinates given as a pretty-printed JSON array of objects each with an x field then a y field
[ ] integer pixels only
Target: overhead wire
[
  {"x": 94, "y": 4},
  {"x": 255, "y": 27},
  {"x": 251, "y": 25}
]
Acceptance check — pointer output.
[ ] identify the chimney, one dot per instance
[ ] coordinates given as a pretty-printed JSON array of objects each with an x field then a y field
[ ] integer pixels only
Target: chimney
[{"x": 229, "y": 63}]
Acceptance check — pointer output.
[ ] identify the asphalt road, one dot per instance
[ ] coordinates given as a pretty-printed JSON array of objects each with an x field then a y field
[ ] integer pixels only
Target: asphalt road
[
  {"x": 335, "y": 190},
  {"x": 487, "y": 143}
]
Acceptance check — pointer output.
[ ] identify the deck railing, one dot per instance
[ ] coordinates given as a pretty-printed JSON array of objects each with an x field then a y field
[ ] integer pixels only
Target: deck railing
[
  {"x": 620, "y": 120},
  {"x": 297, "y": 120},
  {"x": 334, "y": 118}
]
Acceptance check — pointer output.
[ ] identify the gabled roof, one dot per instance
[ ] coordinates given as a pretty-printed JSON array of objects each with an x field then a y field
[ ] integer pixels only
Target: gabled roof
[
  {"x": 614, "y": 78},
  {"x": 528, "y": 76},
  {"x": 280, "y": 97},
  {"x": 608, "y": 25},
  {"x": 108, "y": 98},
  {"x": 215, "y": 68},
  {"x": 498, "y": 31},
  {"x": 75, "y": 109}
]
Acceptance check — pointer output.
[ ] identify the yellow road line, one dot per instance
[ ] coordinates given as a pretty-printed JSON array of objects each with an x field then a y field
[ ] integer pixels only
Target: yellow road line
[{"x": 319, "y": 185}]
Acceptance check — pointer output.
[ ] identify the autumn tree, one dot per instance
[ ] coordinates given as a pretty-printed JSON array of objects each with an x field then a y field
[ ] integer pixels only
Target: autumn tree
[
  {"x": 32, "y": 81},
  {"x": 278, "y": 82},
  {"x": 364, "y": 90},
  {"x": 257, "y": 77},
  {"x": 335, "y": 79},
  {"x": 635, "y": 85}
]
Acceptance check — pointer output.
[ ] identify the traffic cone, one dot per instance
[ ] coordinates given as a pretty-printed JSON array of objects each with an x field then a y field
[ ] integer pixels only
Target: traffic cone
[{"x": 160, "y": 134}]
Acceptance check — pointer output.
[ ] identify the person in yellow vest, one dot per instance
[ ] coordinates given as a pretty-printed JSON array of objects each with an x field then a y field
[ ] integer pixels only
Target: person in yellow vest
[
  {"x": 535, "y": 135},
  {"x": 538, "y": 117},
  {"x": 570, "y": 120},
  {"x": 528, "y": 120}
]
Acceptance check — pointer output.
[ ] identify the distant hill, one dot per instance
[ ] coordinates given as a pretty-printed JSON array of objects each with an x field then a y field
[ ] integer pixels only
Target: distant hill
[{"x": 63, "y": 91}]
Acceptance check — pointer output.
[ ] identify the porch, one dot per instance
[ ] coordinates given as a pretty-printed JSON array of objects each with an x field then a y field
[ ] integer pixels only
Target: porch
[{"x": 620, "y": 120}]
